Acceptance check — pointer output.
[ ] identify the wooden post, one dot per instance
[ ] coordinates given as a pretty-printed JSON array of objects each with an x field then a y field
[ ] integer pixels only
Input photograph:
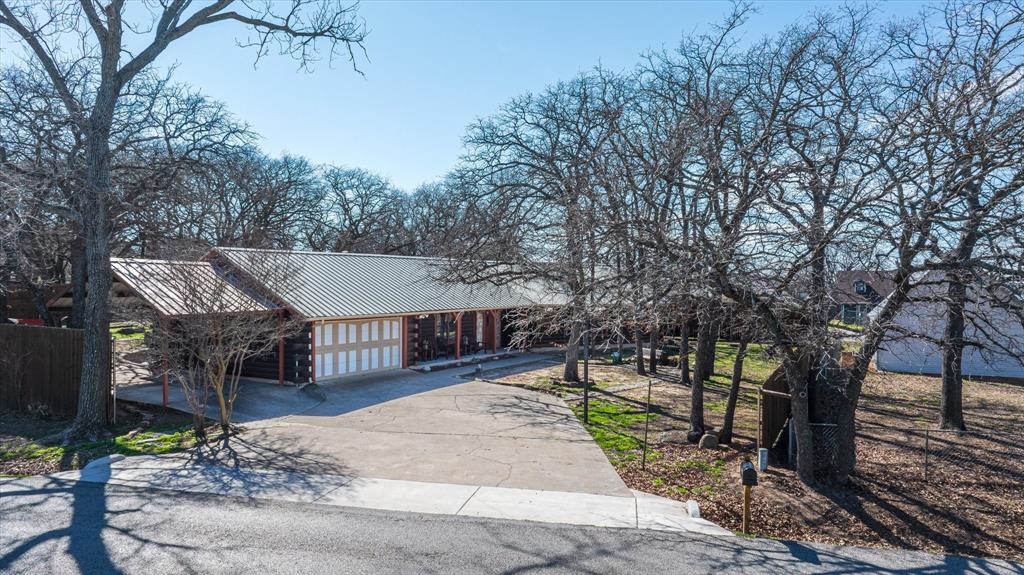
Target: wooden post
[
  {"x": 458, "y": 335},
  {"x": 746, "y": 509}
]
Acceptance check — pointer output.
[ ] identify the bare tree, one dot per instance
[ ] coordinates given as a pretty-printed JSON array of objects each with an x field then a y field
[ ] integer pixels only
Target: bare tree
[
  {"x": 295, "y": 28},
  {"x": 361, "y": 212},
  {"x": 965, "y": 71},
  {"x": 217, "y": 322},
  {"x": 530, "y": 182},
  {"x": 743, "y": 328}
]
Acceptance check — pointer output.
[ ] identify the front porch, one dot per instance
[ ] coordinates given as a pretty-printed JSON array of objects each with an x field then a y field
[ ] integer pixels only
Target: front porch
[
  {"x": 480, "y": 357},
  {"x": 448, "y": 337}
]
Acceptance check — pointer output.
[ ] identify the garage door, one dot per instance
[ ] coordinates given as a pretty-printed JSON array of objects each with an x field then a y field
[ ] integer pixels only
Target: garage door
[{"x": 357, "y": 347}]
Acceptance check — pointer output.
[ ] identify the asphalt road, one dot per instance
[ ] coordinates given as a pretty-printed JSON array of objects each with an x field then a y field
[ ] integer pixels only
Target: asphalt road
[{"x": 49, "y": 526}]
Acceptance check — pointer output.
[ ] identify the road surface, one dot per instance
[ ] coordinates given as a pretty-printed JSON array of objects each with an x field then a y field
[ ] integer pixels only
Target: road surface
[{"x": 52, "y": 526}]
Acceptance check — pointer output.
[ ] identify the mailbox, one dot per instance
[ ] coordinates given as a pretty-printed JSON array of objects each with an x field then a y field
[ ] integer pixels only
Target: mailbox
[{"x": 748, "y": 475}]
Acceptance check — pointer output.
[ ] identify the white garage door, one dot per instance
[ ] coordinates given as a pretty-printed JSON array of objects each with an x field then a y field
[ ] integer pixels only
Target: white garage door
[{"x": 356, "y": 347}]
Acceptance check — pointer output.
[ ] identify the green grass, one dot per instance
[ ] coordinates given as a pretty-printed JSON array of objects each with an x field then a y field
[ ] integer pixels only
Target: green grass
[
  {"x": 39, "y": 455},
  {"x": 610, "y": 424},
  {"x": 128, "y": 331},
  {"x": 847, "y": 326}
]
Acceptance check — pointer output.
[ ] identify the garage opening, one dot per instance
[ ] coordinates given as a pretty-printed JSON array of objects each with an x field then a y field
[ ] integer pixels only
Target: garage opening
[{"x": 344, "y": 348}]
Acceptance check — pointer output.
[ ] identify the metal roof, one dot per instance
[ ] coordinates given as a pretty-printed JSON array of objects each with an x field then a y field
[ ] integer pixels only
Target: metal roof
[
  {"x": 184, "y": 288},
  {"x": 330, "y": 285}
]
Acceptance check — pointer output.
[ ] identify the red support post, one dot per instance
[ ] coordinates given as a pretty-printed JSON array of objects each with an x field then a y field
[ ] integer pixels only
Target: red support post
[
  {"x": 312, "y": 350},
  {"x": 167, "y": 386},
  {"x": 166, "y": 383},
  {"x": 405, "y": 342},
  {"x": 280, "y": 350}
]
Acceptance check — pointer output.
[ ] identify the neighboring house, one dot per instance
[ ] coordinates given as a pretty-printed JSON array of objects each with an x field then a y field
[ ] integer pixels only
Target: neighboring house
[
  {"x": 857, "y": 292},
  {"x": 363, "y": 313},
  {"x": 913, "y": 343}
]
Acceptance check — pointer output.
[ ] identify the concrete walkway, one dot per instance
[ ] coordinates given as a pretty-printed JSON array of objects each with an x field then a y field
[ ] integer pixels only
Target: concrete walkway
[
  {"x": 435, "y": 427},
  {"x": 180, "y": 472}
]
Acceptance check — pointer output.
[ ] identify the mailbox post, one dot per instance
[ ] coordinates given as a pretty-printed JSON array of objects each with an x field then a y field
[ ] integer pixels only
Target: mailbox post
[{"x": 748, "y": 478}]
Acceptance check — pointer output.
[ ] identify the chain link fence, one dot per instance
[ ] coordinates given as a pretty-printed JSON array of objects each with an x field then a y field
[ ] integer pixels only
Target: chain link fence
[{"x": 938, "y": 456}]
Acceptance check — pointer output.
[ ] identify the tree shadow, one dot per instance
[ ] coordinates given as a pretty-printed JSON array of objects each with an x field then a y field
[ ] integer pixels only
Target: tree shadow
[{"x": 84, "y": 531}]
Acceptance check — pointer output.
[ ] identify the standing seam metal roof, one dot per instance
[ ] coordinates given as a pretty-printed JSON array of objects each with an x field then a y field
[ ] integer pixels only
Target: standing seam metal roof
[
  {"x": 329, "y": 285},
  {"x": 184, "y": 288}
]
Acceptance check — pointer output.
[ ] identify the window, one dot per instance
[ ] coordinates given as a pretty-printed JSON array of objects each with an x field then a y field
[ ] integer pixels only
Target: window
[{"x": 860, "y": 287}]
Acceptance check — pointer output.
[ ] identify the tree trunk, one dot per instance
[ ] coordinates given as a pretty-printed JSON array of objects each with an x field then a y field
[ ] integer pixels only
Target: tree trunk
[
  {"x": 684, "y": 353},
  {"x": 640, "y": 370},
  {"x": 92, "y": 392},
  {"x": 78, "y": 279},
  {"x": 796, "y": 377},
  {"x": 36, "y": 292},
  {"x": 734, "y": 391},
  {"x": 707, "y": 338},
  {"x": 572, "y": 354},
  {"x": 951, "y": 412},
  {"x": 3, "y": 302},
  {"x": 653, "y": 361},
  {"x": 696, "y": 411}
]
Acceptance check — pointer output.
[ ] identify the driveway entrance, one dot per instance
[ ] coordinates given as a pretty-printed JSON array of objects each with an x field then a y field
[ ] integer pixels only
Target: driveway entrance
[{"x": 435, "y": 427}]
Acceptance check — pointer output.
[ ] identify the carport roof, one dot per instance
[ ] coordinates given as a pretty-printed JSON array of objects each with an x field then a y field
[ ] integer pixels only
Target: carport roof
[
  {"x": 331, "y": 285},
  {"x": 185, "y": 288}
]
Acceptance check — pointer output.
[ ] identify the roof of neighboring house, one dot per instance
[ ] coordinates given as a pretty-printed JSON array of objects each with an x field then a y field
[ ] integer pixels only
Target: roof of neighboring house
[
  {"x": 330, "y": 285},
  {"x": 879, "y": 282},
  {"x": 185, "y": 288}
]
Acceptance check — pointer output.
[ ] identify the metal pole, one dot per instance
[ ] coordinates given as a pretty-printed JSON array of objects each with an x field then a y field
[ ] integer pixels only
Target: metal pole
[
  {"x": 113, "y": 378},
  {"x": 760, "y": 416},
  {"x": 586, "y": 375},
  {"x": 647, "y": 424}
]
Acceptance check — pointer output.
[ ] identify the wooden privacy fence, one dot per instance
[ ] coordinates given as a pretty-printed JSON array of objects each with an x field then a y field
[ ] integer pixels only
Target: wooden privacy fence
[
  {"x": 773, "y": 413},
  {"x": 40, "y": 370}
]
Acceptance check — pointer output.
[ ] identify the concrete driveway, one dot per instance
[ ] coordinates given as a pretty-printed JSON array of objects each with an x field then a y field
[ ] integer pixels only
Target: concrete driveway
[{"x": 434, "y": 427}]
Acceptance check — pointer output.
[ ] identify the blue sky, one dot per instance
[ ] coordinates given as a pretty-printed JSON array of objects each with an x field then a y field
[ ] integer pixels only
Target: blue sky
[{"x": 435, "y": 66}]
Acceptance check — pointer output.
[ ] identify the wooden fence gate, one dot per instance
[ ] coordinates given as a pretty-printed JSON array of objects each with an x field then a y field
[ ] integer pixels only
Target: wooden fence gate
[{"x": 41, "y": 368}]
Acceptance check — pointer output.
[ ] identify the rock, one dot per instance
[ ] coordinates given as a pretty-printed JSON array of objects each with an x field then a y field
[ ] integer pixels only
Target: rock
[
  {"x": 708, "y": 441},
  {"x": 693, "y": 508},
  {"x": 694, "y": 436},
  {"x": 675, "y": 437}
]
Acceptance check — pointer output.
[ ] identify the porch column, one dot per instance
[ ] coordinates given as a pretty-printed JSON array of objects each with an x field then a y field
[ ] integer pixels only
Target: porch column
[
  {"x": 167, "y": 387},
  {"x": 405, "y": 342},
  {"x": 166, "y": 383},
  {"x": 312, "y": 350},
  {"x": 495, "y": 332},
  {"x": 458, "y": 335}
]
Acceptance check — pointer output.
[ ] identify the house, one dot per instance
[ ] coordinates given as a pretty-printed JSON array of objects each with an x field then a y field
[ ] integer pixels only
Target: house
[
  {"x": 994, "y": 331},
  {"x": 857, "y": 292},
  {"x": 362, "y": 313}
]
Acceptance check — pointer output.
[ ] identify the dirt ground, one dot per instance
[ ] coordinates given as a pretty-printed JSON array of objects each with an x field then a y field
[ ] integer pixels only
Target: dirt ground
[
  {"x": 30, "y": 445},
  {"x": 972, "y": 502}
]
